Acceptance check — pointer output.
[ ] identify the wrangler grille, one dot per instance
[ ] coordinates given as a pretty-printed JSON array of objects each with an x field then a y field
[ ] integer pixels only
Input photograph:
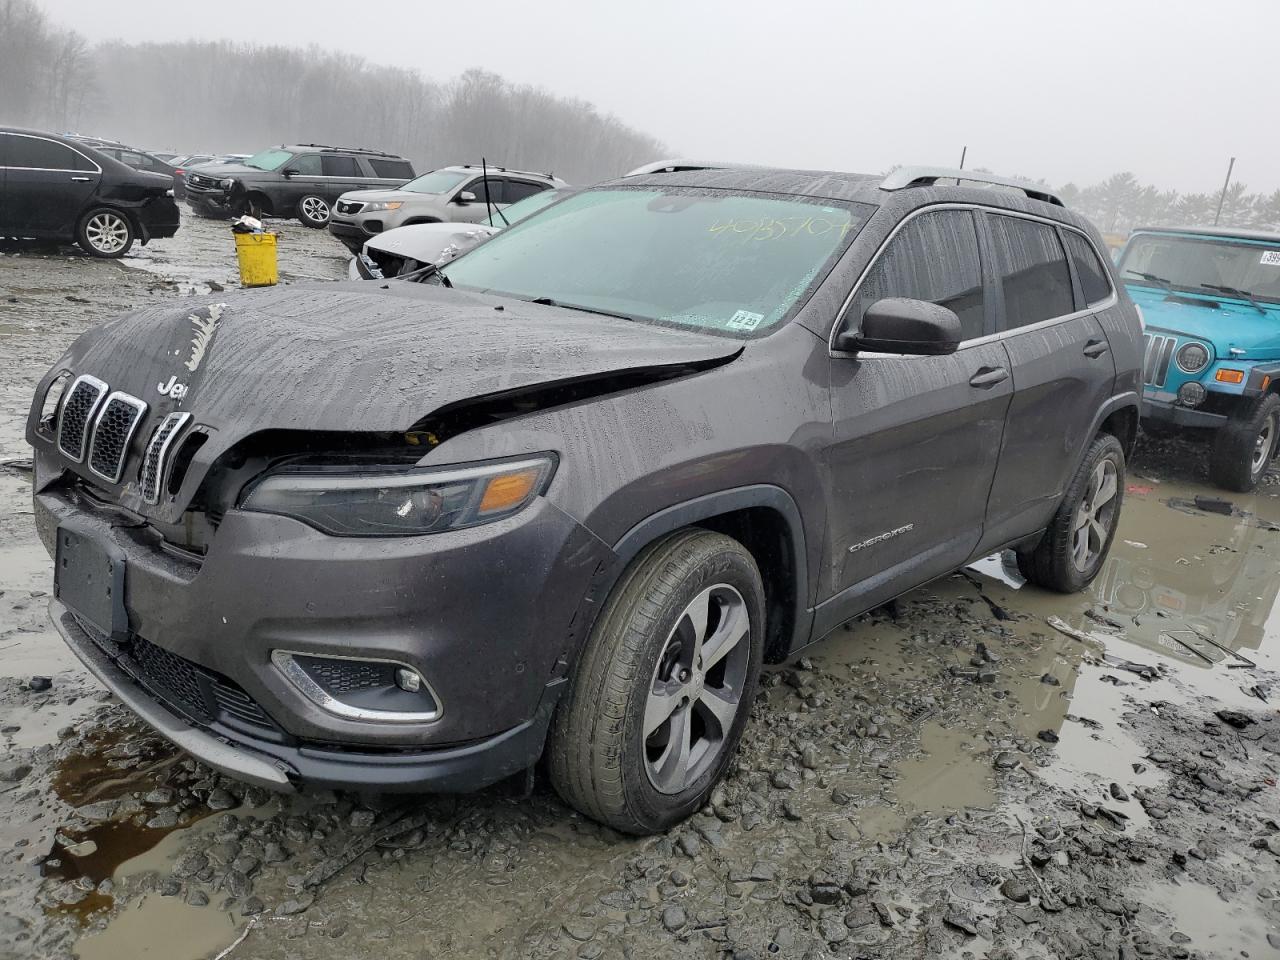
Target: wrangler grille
[
  {"x": 151, "y": 476},
  {"x": 112, "y": 431},
  {"x": 1158, "y": 352},
  {"x": 81, "y": 403}
]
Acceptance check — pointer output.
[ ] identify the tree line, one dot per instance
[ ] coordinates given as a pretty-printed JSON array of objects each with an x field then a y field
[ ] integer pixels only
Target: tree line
[{"x": 218, "y": 96}]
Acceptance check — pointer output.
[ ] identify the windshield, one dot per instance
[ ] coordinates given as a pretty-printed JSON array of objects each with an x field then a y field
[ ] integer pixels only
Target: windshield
[
  {"x": 522, "y": 208},
  {"x": 268, "y": 159},
  {"x": 704, "y": 259},
  {"x": 1194, "y": 265},
  {"x": 437, "y": 181}
]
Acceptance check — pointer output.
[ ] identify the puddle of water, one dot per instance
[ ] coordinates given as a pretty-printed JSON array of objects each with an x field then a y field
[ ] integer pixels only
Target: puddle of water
[
  {"x": 160, "y": 927},
  {"x": 953, "y": 773},
  {"x": 1217, "y": 927}
]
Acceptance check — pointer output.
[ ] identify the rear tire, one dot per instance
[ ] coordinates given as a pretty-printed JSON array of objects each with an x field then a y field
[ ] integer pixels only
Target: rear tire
[
  {"x": 105, "y": 233},
  {"x": 1242, "y": 450},
  {"x": 1075, "y": 543},
  {"x": 313, "y": 211},
  {"x": 618, "y": 750}
]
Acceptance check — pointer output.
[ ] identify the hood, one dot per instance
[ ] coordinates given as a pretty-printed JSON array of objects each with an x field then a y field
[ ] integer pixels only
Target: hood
[
  {"x": 346, "y": 357},
  {"x": 431, "y": 242},
  {"x": 1222, "y": 323},
  {"x": 370, "y": 196}
]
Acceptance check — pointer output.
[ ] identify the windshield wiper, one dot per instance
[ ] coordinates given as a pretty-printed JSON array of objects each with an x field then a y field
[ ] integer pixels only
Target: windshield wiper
[
  {"x": 1167, "y": 284},
  {"x": 421, "y": 274},
  {"x": 1236, "y": 292},
  {"x": 548, "y": 302}
]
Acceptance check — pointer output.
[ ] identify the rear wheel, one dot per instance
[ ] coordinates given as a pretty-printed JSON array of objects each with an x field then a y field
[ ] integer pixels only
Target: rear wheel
[
  {"x": 660, "y": 695},
  {"x": 1243, "y": 449},
  {"x": 1075, "y": 544},
  {"x": 313, "y": 211},
  {"x": 105, "y": 233}
]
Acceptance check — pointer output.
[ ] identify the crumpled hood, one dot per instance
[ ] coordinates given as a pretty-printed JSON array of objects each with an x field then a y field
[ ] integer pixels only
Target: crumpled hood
[
  {"x": 1230, "y": 324},
  {"x": 359, "y": 356}
]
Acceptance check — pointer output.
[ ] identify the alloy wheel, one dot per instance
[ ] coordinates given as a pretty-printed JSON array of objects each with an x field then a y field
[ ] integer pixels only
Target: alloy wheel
[
  {"x": 697, "y": 688},
  {"x": 107, "y": 232},
  {"x": 315, "y": 209},
  {"x": 1262, "y": 445},
  {"x": 1095, "y": 516}
]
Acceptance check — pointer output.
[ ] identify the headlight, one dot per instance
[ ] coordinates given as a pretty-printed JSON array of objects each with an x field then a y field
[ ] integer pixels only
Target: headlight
[
  {"x": 378, "y": 205},
  {"x": 390, "y": 502},
  {"x": 1192, "y": 357},
  {"x": 226, "y": 184}
]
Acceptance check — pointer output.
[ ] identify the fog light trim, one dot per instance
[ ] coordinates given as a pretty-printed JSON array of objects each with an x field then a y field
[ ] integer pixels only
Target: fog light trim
[{"x": 285, "y": 662}]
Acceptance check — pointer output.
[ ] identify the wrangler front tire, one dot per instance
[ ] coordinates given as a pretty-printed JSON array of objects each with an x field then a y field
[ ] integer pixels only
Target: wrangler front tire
[
  {"x": 660, "y": 695},
  {"x": 1243, "y": 449}
]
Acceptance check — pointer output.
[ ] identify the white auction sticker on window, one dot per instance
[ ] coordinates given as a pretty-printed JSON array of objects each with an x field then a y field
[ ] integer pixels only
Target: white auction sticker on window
[
  {"x": 744, "y": 320},
  {"x": 1271, "y": 258}
]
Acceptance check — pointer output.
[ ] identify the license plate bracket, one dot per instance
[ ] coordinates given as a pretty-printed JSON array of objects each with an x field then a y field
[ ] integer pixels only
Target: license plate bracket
[{"x": 89, "y": 579}]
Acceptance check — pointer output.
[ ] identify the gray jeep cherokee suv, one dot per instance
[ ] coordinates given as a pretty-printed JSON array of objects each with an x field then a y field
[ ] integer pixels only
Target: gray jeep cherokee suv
[{"x": 572, "y": 489}]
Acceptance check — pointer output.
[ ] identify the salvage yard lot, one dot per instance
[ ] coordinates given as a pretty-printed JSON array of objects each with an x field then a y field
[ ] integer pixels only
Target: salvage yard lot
[{"x": 977, "y": 767}]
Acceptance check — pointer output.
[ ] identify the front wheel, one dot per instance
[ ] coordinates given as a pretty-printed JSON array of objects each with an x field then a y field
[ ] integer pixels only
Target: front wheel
[
  {"x": 661, "y": 693},
  {"x": 1075, "y": 543},
  {"x": 313, "y": 211},
  {"x": 105, "y": 233},
  {"x": 1243, "y": 449}
]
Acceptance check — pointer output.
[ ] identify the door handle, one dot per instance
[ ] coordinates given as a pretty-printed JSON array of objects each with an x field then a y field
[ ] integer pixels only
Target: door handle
[
  {"x": 81, "y": 179},
  {"x": 987, "y": 377},
  {"x": 1095, "y": 348}
]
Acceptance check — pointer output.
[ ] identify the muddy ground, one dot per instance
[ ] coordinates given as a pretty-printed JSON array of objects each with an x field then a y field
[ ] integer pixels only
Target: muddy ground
[{"x": 978, "y": 770}]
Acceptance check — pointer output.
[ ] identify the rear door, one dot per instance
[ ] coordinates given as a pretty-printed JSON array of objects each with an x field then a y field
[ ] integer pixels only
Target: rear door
[
  {"x": 1062, "y": 373},
  {"x": 47, "y": 185},
  {"x": 916, "y": 437},
  {"x": 342, "y": 173}
]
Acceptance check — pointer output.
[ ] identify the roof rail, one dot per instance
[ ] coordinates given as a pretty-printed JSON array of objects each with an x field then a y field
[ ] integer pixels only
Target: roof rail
[
  {"x": 680, "y": 166},
  {"x": 375, "y": 153},
  {"x": 927, "y": 176},
  {"x": 492, "y": 166}
]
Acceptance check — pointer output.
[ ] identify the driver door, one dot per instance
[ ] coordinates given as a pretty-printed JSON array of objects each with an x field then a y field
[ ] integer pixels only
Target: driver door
[{"x": 916, "y": 438}]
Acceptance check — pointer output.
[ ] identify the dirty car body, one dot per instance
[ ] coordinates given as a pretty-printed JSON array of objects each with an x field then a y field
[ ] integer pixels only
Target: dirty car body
[
  {"x": 260, "y": 540},
  {"x": 1211, "y": 301}
]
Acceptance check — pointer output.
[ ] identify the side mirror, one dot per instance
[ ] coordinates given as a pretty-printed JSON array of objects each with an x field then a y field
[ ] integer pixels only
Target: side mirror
[
  {"x": 466, "y": 196},
  {"x": 899, "y": 325},
  {"x": 289, "y": 172}
]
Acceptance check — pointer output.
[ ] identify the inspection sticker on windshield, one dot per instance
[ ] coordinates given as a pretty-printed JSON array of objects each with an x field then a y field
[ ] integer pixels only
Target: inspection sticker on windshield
[
  {"x": 744, "y": 320},
  {"x": 1270, "y": 258}
]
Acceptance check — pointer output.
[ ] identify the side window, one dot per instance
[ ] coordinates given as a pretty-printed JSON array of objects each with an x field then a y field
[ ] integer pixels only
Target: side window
[
  {"x": 477, "y": 187},
  {"x": 935, "y": 258},
  {"x": 307, "y": 164},
  {"x": 339, "y": 165},
  {"x": 1032, "y": 269},
  {"x": 391, "y": 169},
  {"x": 518, "y": 190},
  {"x": 1093, "y": 275},
  {"x": 41, "y": 154}
]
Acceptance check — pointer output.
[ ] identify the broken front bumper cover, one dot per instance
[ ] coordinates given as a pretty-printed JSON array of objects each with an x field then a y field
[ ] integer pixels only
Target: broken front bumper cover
[
  {"x": 287, "y": 767},
  {"x": 1179, "y": 415}
]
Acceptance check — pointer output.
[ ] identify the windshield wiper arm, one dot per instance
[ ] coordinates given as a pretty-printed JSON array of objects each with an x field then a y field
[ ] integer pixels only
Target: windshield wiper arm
[
  {"x": 1167, "y": 284},
  {"x": 421, "y": 274},
  {"x": 548, "y": 302},
  {"x": 1236, "y": 292}
]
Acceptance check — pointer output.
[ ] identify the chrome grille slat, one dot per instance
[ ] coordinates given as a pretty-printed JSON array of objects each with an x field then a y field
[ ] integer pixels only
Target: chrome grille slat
[
  {"x": 155, "y": 460},
  {"x": 113, "y": 430},
  {"x": 81, "y": 403}
]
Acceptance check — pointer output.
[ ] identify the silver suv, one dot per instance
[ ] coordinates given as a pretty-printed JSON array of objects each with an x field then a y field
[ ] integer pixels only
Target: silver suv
[{"x": 450, "y": 194}]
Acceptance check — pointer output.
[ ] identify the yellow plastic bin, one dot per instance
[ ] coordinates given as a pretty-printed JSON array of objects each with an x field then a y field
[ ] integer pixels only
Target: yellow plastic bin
[{"x": 257, "y": 255}]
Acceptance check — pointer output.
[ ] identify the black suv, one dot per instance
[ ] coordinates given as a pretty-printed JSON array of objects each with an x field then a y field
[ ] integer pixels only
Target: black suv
[
  {"x": 54, "y": 188},
  {"x": 302, "y": 181},
  {"x": 574, "y": 487}
]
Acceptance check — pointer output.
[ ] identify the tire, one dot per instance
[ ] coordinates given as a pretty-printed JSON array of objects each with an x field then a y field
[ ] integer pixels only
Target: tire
[
  {"x": 638, "y": 663},
  {"x": 313, "y": 211},
  {"x": 1242, "y": 450},
  {"x": 1059, "y": 561},
  {"x": 105, "y": 233}
]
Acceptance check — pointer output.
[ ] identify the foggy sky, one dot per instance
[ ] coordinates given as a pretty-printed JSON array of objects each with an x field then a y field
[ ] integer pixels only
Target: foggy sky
[{"x": 1069, "y": 90}]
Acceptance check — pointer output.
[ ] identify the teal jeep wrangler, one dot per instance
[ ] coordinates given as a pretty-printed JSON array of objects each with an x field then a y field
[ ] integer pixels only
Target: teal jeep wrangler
[{"x": 1211, "y": 302}]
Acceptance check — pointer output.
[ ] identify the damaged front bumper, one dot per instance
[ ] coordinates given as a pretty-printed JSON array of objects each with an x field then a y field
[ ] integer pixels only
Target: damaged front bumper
[{"x": 1179, "y": 415}]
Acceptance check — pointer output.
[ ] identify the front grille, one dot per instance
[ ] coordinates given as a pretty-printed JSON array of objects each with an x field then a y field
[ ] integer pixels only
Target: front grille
[
  {"x": 1158, "y": 351},
  {"x": 198, "y": 180},
  {"x": 112, "y": 431},
  {"x": 73, "y": 419},
  {"x": 154, "y": 461},
  {"x": 349, "y": 206},
  {"x": 234, "y": 701}
]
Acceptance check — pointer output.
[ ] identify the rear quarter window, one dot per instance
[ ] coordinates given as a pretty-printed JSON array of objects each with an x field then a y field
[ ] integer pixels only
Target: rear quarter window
[{"x": 391, "y": 169}]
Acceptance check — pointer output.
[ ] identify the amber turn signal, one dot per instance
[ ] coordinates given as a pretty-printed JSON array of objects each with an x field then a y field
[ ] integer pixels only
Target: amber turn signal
[
  {"x": 1230, "y": 376},
  {"x": 508, "y": 490}
]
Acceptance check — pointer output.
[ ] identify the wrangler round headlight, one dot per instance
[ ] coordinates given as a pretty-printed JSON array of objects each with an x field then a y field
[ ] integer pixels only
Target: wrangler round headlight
[
  {"x": 359, "y": 501},
  {"x": 1192, "y": 357},
  {"x": 1191, "y": 394}
]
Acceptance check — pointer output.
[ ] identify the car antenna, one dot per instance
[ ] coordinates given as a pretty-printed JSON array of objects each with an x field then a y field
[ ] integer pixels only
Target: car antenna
[{"x": 484, "y": 175}]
